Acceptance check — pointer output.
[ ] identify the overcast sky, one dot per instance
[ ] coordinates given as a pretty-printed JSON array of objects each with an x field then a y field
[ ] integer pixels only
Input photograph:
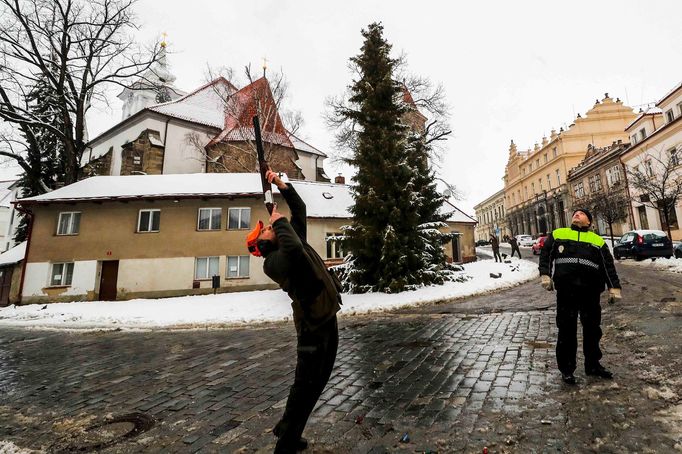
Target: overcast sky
[{"x": 510, "y": 69}]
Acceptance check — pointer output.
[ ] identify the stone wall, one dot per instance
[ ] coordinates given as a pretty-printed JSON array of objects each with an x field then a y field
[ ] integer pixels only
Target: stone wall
[
  {"x": 240, "y": 157},
  {"x": 99, "y": 166},
  {"x": 144, "y": 154}
]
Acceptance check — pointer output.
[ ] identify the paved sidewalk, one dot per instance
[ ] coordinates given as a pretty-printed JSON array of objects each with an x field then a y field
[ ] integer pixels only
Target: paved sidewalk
[{"x": 456, "y": 377}]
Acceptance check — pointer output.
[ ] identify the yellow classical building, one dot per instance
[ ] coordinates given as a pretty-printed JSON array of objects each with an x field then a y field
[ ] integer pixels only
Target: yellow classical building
[{"x": 536, "y": 195}]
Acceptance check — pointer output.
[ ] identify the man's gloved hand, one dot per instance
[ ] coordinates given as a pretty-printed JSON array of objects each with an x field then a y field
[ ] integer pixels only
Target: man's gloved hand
[
  {"x": 546, "y": 282},
  {"x": 614, "y": 295}
]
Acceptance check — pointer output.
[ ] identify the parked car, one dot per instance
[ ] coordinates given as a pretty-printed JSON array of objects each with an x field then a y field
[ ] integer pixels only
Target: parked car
[
  {"x": 539, "y": 244},
  {"x": 678, "y": 251},
  {"x": 482, "y": 243},
  {"x": 525, "y": 240},
  {"x": 643, "y": 244}
]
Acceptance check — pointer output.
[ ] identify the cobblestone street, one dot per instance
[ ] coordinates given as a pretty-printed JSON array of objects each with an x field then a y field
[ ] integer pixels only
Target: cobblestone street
[{"x": 457, "y": 377}]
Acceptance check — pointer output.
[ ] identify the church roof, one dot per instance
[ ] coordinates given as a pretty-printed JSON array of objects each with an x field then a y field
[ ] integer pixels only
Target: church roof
[{"x": 205, "y": 105}]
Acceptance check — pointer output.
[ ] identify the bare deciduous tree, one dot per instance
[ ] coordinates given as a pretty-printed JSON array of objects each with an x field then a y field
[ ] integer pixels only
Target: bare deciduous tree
[
  {"x": 656, "y": 178},
  {"x": 610, "y": 204},
  {"x": 79, "y": 48},
  {"x": 260, "y": 96}
]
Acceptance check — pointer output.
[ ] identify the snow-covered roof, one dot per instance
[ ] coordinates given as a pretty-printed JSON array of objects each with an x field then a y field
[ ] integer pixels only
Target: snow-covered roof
[
  {"x": 204, "y": 105},
  {"x": 457, "y": 214},
  {"x": 323, "y": 200},
  {"x": 300, "y": 145},
  {"x": 14, "y": 255},
  {"x": 649, "y": 111}
]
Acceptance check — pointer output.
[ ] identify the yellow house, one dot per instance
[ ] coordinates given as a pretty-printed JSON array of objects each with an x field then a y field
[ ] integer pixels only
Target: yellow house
[
  {"x": 122, "y": 237},
  {"x": 656, "y": 141},
  {"x": 535, "y": 190}
]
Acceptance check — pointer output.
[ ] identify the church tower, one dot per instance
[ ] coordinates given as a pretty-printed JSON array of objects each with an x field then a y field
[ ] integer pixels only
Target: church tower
[{"x": 154, "y": 87}]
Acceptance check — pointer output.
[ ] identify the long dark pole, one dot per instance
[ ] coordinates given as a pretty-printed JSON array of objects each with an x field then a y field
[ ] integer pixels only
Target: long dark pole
[{"x": 263, "y": 166}]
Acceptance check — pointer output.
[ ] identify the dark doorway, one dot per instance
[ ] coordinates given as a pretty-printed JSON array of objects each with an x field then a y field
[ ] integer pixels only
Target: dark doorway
[
  {"x": 455, "y": 248},
  {"x": 109, "y": 280},
  {"x": 5, "y": 285}
]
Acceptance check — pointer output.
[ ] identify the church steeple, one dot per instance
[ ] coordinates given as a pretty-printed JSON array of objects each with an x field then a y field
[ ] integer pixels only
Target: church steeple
[{"x": 155, "y": 86}]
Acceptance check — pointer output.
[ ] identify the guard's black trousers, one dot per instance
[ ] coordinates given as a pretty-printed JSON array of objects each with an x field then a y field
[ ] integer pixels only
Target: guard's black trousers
[
  {"x": 517, "y": 250},
  {"x": 571, "y": 302},
  {"x": 496, "y": 253},
  {"x": 315, "y": 361}
]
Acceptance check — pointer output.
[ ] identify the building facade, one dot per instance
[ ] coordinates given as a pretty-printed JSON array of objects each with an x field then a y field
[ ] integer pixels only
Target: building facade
[
  {"x": 656, "y": 147},
  {"x": 122, "y": 237},
  {"x": 490, "y": 214},
  {"x": 537, "y": 198},
  {"x": 598, "y": 180}
]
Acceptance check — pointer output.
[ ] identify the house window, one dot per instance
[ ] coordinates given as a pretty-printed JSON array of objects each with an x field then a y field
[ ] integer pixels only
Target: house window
[
  {"x": 532, "y": 188},
  {"x": 595, "y": 183},
  {"x": 558, "y": 177},
  {"x": 679, "y": 108},
  {"x": 525, "y": 190},
  {"x": 642, "y": 134},
  {"x": 674, "y": 157},
  {"x": 613, "y": 175},
  {"x": 537, "y": 163},
  {"x": 647, "y": 168},
  {"x": 554, "y": 152},
  {"x": 672, "y": 216},
  {"x": 579, "y": 190},
  {"x": 209, "y": 218},
  {"x": 149, "y": 221},
  {"x": 61, "y": 275},
  {"x": 237, "y": 266},
  {"x": 549, "y": 182},
  {"x": 206, "y": 267},
  {"x": 669, "y": 116},
  {"x": 545, "y": 158},
  {"x": 334, "y": 250},
  {"x": 69, "y": 223},
  {"x": 540, "y": 183},
  {"x": 643, "y": 221},
  {"x": 238, "y": 218}
]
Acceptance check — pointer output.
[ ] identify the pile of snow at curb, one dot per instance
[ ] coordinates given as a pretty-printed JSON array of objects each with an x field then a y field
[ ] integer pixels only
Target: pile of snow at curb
[
  {"x": 249, "y": 307},
  {"x": 671, "y": 264}
]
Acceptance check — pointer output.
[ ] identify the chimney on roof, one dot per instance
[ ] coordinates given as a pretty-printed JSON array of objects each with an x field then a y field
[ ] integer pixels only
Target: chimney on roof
[{"x": 340, "y": 179}]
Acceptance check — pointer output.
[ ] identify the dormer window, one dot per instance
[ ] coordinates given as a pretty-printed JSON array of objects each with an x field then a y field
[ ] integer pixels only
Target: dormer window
[
  {"x": 642, "y": 134},
  {"x": 669, "y": 116}
]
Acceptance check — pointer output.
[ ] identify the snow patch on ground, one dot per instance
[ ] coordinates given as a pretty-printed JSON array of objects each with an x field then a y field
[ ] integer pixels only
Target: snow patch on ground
[
  {"x": 673, "y": 265},
  {"x": 249, "y": 307},
  {"x": 7, "y": 447}
]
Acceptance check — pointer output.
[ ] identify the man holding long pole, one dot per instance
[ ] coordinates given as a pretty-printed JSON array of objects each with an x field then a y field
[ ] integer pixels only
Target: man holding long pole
[{"x": 315, "y": 292}]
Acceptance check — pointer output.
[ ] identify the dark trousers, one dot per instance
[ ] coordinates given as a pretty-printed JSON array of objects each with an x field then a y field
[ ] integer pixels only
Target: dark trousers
[
  {"x": 314, "y": 364},
  {"x": 518, "y": 251},
  {"x": 496, "y": 253},
  {"x": 572, "y": 302}
]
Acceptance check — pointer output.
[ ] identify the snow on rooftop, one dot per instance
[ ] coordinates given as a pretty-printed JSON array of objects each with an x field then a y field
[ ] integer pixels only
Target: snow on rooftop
[
  {"x": 14, "y": 255},
  {"x": 652, "y": 110},
  {"x": 205, "y": 106},
  {"x": 304, "y": 146}
]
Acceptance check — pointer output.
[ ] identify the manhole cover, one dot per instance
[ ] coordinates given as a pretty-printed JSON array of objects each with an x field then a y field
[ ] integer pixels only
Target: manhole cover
[{"x": 105, "y": 434}]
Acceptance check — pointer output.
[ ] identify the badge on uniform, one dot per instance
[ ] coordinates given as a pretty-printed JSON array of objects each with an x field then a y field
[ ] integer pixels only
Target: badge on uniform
[{"x": 561, "y": 249}]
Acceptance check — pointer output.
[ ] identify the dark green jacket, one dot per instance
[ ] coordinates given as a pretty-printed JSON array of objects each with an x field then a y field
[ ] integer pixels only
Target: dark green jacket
[
  {"x": 580, "y": 258},
  {"x": 300, "y": 271}
]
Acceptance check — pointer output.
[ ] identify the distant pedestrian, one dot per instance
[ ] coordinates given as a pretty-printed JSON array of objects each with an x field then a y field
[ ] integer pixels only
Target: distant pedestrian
[
  {"x": 582, "y": 266},
  {"x": 495, "y": 243},
  {"x": 298, "y": 269},
  {"x": 514, "y": 246}
]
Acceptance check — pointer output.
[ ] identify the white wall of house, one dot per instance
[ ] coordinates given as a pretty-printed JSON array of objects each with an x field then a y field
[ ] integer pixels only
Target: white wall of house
[
  {"x": 37, "y": 279},
  {"x": 306, "y": 162},
  {"x": 179, "y": 156}
]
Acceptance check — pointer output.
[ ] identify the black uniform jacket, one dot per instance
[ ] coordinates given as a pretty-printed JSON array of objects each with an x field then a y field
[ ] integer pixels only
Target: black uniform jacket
[
  {"x": 300, "y": 271},
  {"x": 580, "y": 258}
]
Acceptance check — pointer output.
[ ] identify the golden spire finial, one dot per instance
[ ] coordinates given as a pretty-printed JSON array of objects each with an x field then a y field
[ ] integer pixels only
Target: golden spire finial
[{"x": 163, "y": 41}]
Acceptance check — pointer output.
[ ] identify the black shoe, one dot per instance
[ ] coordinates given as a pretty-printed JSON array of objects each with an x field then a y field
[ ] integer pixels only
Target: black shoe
[
  {"x": 302, "y": 442},
  {"x": 569, "y": 379},
  {"x": 599, "y": 371}
]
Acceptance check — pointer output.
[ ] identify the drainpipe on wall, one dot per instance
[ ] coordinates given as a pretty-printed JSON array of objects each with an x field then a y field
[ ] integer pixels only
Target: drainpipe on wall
[
  {"x": 627, "y": 188},
  {"x": 30, "y": 215},
  {"x": 165, "y": 145}
]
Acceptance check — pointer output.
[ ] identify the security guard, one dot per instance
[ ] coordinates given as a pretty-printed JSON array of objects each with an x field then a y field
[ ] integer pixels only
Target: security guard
[{"x": 582, "y": 266}]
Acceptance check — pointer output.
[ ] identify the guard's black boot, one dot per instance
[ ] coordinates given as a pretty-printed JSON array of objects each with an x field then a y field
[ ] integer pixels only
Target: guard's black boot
[
  {"x": 569, "y": 379},
  {"x": 599, "y": 371}
]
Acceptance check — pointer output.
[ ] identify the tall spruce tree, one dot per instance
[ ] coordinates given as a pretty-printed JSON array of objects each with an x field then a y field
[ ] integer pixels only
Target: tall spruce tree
[
  {"x": 383, "y": 239},
  {"x": 431, "y": 214},
  {"x": 44, "y": 158}
]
